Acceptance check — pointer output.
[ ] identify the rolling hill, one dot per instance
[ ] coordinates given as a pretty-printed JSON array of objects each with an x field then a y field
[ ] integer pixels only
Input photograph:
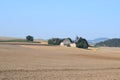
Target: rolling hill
[
  {"x": 110, "y": 43},
  {"x": 97, "y": 40}
]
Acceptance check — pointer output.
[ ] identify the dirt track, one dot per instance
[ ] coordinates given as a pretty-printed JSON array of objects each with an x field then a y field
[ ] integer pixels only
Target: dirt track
[{"x": 29, "y": 62}]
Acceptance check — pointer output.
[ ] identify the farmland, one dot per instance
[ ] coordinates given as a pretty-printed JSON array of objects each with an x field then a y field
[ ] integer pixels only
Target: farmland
[{"x": 35, "y": 62}]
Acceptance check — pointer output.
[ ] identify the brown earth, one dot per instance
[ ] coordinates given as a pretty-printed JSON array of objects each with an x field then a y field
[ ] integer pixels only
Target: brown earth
[{"x": 31, "y": 62}]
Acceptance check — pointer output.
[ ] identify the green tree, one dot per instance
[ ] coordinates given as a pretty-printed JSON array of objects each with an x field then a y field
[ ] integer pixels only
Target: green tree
[
  {"x": 29, "y": 38},
  {"x": 82, "y": 43},
  {"x": 54, "y": 41}
]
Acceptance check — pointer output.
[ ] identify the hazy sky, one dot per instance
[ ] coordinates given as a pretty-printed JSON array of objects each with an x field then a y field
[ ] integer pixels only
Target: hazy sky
[{"x": 60, "y": 18}]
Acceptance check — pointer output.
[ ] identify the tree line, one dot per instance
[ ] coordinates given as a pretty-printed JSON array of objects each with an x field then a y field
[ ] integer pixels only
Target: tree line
[{"x": 109, "y": 43}]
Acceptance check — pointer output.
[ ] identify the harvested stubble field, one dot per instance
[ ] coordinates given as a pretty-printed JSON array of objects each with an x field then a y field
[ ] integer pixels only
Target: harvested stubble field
[{"x": 31, "y": 62}]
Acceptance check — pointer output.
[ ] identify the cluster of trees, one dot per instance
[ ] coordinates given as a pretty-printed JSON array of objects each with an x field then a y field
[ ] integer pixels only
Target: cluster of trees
[
  {"x": 79, "y": 41},
  {"x": 54, "y": 41},
  {"x": 109, "y": 43},
  {"x": 82, "y": 43}
]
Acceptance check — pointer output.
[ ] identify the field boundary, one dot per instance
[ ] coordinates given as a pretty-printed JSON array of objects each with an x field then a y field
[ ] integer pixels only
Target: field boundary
[{"x": 48, "y": 70}]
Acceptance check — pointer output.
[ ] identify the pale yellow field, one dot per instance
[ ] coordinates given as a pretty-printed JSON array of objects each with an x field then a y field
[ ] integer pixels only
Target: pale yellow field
[{"x": 27, "y": 62}]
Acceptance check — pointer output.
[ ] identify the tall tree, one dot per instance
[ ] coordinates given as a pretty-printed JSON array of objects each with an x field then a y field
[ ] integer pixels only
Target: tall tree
[
  {"x": 29, "y": 38},
  {"x": 82, "y": 43}
]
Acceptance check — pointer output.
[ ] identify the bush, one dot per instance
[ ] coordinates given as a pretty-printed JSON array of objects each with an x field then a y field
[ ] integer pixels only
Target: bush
[
  {"x": 54, "y": 41},
  {"x": 82, "y": 43},
  {"x": 29, "y": 38}
]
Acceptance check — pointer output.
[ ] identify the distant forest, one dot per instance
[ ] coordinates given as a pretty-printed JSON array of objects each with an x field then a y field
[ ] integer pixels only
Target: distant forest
[{"x": 109, "y": 43}]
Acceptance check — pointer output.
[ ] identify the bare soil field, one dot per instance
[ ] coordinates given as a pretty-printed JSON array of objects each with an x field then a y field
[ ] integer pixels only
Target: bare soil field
[{"x": 32, "y": 62}]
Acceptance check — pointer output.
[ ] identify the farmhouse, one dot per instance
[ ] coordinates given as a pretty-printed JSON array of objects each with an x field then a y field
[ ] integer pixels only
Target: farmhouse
[{"x": 67, "y": 42}]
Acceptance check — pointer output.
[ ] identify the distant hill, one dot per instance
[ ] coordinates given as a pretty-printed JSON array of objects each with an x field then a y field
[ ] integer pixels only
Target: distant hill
[
  {"x": 7, "y": 38},
  {"x": 110, "y": 43},
  {"x": 97, "y": 40}
]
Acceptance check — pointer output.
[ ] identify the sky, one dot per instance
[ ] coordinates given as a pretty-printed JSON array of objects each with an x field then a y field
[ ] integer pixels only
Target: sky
[{"x": 46, "y": 19}]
